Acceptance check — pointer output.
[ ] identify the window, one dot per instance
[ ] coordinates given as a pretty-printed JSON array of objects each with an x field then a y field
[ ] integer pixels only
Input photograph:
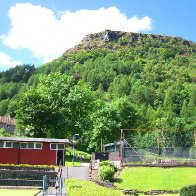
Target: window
[
  {"x": 1, "y": 144},
  {"x": 15, "y": 144},
  {"x": 30, "y": 145},
  {"x": 53, "y": 146},
  {"x": 57, "y": 146},
  {"x": 23, "y": 145},
  {"x": 8, "y": 144},
  {"x": 60, "y": 146},
  {"x": 38, "y": 145}
]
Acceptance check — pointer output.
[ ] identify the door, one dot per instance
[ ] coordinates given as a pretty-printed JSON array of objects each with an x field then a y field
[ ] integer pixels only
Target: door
[{"x": 60, "y": 157}]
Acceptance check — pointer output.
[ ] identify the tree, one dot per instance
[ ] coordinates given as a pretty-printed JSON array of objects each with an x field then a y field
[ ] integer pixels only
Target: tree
[
  {"x": 105, "y": 128},
  {"x": 56, "y": 108}
]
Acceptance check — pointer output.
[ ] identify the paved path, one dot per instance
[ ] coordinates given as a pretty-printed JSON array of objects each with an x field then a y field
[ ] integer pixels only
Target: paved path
[{"x": 80, "y": 172}]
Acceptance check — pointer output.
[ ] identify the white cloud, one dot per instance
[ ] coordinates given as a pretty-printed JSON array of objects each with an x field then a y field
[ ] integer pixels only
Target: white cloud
[
  {"x": 36, "y": 28},
  {"x": 6, "y": 62}
]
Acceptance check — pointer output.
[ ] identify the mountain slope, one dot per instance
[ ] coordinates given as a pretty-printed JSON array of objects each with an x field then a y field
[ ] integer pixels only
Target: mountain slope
[{"x": 141, "y": 80}]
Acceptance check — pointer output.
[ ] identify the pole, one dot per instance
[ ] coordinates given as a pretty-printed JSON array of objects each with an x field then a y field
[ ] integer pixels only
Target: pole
[
  {"x": 195, "y": 136},
  {"x": 73, "y": 140},
  {"x": 121, "y": 146},
  {"x": 73, "y": 151}
]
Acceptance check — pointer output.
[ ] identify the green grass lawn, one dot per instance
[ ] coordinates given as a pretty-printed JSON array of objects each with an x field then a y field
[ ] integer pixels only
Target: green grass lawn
[
  {"x": 16, "y": 192},
  {"x": 146, "y": 178},
  {"x": 76, "y": 187}
]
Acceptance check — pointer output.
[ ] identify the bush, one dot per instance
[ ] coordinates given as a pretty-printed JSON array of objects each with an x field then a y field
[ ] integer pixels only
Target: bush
[
  {"x": 106, "y": 172},
  {"x": 188, "y": 190},
  {"x": 107, "y": 163}
]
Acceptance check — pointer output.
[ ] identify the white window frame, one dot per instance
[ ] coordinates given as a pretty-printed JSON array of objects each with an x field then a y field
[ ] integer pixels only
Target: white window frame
[
  {"x": 7, "y": 142},
  {"x": 4, "y": 144},
  {"x": 34, "y": 145},
  {"x": 57, "y": 146}
]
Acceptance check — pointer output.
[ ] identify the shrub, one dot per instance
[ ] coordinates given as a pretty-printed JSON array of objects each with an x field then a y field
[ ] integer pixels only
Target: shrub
[
  {"x": 106, "y": 172},
  {"x": 107, "y": 163},
  {"x": 188, "y": 190}
]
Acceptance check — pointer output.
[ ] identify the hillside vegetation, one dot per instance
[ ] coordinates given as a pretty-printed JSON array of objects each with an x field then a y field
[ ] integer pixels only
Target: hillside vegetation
[{"x": 111, "y": 80}]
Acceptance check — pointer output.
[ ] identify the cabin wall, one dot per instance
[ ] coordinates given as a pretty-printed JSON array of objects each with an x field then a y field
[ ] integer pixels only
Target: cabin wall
[
  {"x": 43, "y": 156},
  {"x": 9, "y": 155}
]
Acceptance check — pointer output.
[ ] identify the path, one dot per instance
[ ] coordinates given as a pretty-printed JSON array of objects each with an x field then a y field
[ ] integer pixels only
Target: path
[{"x": 80, "y": 172}]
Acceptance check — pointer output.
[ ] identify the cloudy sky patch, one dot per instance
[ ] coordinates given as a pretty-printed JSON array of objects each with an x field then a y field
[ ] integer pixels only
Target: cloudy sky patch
[{"x": 37, "y": 29}]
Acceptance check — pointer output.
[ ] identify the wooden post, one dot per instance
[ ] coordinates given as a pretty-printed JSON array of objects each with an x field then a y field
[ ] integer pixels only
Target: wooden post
[
  {"x": 121, "y": 145},
  {"x": 158, "y": 142}
]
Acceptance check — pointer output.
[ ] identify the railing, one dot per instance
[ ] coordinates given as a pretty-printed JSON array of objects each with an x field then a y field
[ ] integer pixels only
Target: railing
[{"x": 53, "y": 187}]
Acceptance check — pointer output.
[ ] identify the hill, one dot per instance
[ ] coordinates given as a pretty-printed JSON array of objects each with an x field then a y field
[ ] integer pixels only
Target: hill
[{"x": 139, "y": 80}]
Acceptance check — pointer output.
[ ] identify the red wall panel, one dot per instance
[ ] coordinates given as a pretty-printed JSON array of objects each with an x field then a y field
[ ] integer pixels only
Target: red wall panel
[
  {"x": 9, "y": 155},
  {"x": 43, "y": 156}
]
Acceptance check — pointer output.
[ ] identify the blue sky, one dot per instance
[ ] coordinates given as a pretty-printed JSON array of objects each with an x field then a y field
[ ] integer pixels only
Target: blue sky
[{"x": 38, "y": 31}]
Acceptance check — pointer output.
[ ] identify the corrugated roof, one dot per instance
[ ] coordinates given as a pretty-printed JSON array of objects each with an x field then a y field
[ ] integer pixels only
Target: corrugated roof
[
  {"x": 51, "y": 140},
  {"x": 7, "y": 120}
]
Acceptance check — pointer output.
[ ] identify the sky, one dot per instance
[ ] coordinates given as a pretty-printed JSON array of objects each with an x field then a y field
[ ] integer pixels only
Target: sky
[{"x": 38, "y": 31}]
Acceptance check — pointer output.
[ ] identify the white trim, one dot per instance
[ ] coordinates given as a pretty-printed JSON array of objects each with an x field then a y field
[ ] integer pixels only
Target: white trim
[
  {"x": 34, "y": 145},
  {"x": 5, "y": 142},
  {"x": 56, "y": 144}
]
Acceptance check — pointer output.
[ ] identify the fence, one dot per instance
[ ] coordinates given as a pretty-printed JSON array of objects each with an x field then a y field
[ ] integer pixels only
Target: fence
[
  {"x": 162, "y": 145},
  {"x": 53, "y": 187},
  {"x": 153, "y": 155}
]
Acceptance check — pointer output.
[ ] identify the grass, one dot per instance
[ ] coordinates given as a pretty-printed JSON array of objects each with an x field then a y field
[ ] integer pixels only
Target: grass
[
  {"x": 76, "y": 187},
  {"x": 68, "y": 159},
  {"x": 146, "y": 178},
  {"x": 68, "y": 162},
  {"x": 16, "y": 192}
]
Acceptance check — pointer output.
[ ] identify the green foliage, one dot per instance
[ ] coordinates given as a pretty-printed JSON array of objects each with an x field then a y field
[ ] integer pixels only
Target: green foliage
[
  {"x": 106, "y": 172},
  {"x": 4, "y": 107},
  {"x": 107, "y": 163},
  {"x": 188, "y": 190},
  {"x": 20, "y": 73},
  {"x": 56, "y": 108},
  {"x": 137, "y": 81}
]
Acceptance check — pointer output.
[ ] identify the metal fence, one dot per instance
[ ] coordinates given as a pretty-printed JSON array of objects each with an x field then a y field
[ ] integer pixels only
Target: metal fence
[
  {"x": 53, "y": 187},
  {"x": 153, "y": 155}
]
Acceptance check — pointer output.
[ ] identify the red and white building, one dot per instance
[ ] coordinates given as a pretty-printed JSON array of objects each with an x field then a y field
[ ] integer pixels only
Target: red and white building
[{"x": 35, "y": 151}]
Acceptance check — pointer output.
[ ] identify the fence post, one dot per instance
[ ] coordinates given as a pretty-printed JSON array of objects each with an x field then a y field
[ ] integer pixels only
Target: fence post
[
  {"x": 195, "y": 136},
  {"x": 44, "y": 185}
]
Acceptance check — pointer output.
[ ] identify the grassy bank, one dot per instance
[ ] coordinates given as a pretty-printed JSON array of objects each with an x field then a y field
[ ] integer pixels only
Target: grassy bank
[{"x": 69, "y": 157}]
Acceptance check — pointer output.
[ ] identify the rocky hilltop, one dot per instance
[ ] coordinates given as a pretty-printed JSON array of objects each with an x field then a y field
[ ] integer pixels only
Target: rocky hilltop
[{"x": 115, "y": 39}]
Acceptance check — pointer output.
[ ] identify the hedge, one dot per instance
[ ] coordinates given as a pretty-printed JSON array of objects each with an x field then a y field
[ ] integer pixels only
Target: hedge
[
  {"x": 19, "y": 174},
  {"x": 188, "y": 190}
]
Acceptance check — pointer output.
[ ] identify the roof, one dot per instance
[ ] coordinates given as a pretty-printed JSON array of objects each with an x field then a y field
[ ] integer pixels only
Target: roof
[
  {"x": 28, "y": 139},
  {"x": 112, "y": 144},
  {"x": 7, "y": 120}
]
